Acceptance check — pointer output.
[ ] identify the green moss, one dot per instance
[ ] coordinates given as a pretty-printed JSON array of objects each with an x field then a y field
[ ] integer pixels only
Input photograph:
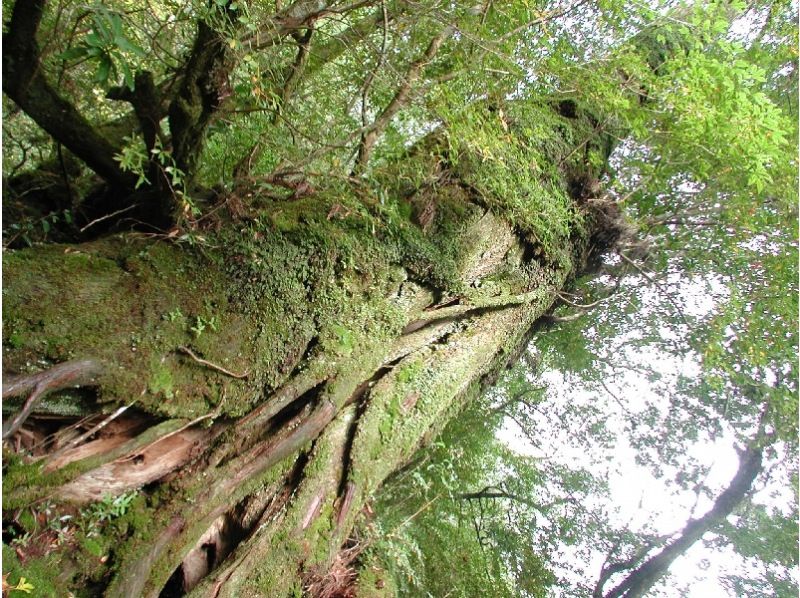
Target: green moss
[
  {"x": 37, "y": 572},
  {"x": 161, "y": 381}
]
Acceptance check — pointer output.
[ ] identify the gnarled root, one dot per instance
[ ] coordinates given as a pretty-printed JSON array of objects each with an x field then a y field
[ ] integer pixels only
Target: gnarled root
[{"x": 64, "y": 375}]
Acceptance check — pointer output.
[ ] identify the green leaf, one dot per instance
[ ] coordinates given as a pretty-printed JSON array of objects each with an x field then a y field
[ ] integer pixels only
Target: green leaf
[
  {"x": 103, "y": 70},
  {"x": 126, "y": 45},
  {"x": 24, "y": 586},
  {"x": 116, "y": 25},
  {"x": 102, "y": 29},
  {"x": 74, "y": 53},
  {"x": 94, "y": 40},
  {"x": 127, "y": 75}
]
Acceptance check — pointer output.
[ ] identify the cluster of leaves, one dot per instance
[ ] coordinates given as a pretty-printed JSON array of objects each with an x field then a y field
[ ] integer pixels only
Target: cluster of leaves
[{"x": 109, "y": 47}]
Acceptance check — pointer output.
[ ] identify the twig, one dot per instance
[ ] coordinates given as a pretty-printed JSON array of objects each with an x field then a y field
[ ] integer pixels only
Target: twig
[
  {"x": 107, "y": 216},
  {"x": 588, "y": 305},
  {"x": 208, "y": 364},
  {"x": 658, "y": 285},
  {"x": 401, "y": 98},
  {"x": 93, "y": 430},
  {"x": 614, "y": 396}
]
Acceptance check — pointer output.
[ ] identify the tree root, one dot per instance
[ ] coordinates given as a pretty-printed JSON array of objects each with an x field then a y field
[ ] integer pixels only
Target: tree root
[
  {"x": 63, "y": 375},
  {"x": 208, "y": 364}
]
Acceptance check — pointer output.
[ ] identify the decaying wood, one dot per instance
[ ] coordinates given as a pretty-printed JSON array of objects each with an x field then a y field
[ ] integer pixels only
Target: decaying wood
[{"x": 148, "y": 465}]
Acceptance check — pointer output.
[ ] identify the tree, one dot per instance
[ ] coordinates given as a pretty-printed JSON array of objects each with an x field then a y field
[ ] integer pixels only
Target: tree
[{"x": 302, "y": 237}]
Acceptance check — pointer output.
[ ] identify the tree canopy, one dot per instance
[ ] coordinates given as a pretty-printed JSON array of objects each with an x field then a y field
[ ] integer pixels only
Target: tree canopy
[{"x": 258, "y": 254}]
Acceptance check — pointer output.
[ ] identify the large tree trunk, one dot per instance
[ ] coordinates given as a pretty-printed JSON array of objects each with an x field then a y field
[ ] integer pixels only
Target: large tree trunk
[{"x": 274, "y": 378}]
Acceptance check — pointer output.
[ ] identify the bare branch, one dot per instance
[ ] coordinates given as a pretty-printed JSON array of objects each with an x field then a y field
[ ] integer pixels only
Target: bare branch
[
  {"x": 399, "y": 101},
  {"x": 658, "y": 285}
]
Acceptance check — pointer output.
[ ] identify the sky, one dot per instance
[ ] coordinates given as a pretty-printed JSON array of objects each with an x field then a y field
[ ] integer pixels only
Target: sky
[{"x": 637, "y": 497}]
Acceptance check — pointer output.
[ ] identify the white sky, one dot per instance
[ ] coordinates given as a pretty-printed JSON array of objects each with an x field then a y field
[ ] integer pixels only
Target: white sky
[{"x": 636, "y": 496}]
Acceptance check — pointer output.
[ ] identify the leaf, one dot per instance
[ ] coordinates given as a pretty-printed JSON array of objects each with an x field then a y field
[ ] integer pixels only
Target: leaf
[
  {"x": 127, "y": 75},
  {"x": 101, "y": 28},
  {"x": 103, "y": 70},
  {"x": 94, "y": 40},
  {"x": 126, "y": 45},
  {"x": 74, "y": 53},
  {"x": 116, "y": 25}
]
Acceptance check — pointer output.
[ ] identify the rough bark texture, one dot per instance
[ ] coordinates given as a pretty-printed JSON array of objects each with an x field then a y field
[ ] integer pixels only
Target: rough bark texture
[{"x": 360, "y": 336}]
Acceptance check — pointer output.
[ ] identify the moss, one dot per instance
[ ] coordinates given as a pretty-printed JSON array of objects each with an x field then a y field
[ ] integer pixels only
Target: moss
[
  {"x": 160, "y": 380},
  {"x": 25, "y": 483},
  {"x": 374, "y": 581},
  {"x": 317, "y": 283},
  {"x": 37, "y": 572}
]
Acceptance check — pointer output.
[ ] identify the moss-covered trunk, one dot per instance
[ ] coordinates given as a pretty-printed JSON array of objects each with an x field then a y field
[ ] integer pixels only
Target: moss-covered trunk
[{"x": 257, "y": 387}]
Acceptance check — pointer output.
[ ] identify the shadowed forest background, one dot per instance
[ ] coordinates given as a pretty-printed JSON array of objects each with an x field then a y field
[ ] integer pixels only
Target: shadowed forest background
[{"x": 388, "y": 297}]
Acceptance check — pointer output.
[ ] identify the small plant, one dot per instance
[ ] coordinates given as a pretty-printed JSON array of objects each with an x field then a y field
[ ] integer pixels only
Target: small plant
[
  {"x": 22, "y": 585},
  {"x": 133, "y": 158},
  {"x": 108, "y": 509},
  {"x": 201, "y": 323},
  {"x": 26, "y": 229},
  {"x": 174, "y": 315}
]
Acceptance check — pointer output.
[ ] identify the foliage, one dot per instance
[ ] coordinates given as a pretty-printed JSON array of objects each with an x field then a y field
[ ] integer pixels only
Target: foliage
[
  {"x": 108, "y": 46},
  {"x": 522, "y": 103},
  {"x": 432, "y": 540},
  {"x": 709, "y": 172}
]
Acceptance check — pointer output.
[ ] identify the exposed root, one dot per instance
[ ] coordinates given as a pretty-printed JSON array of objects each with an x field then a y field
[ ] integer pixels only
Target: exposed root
[
  {"x": 305, "y": 427},
  {"x": 208, "y": 364},
  {"x": 339, "y": 581},
  {"x": 63, "y": 375}
]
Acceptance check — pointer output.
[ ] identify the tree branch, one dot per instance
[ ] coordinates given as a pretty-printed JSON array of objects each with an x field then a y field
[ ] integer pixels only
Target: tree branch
[
  {"x": 652, "y": 280},
  {"x": 24, "y": 82},
  {"x": 399, "y": 101},
  {"x": 639, "y": 581}
]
